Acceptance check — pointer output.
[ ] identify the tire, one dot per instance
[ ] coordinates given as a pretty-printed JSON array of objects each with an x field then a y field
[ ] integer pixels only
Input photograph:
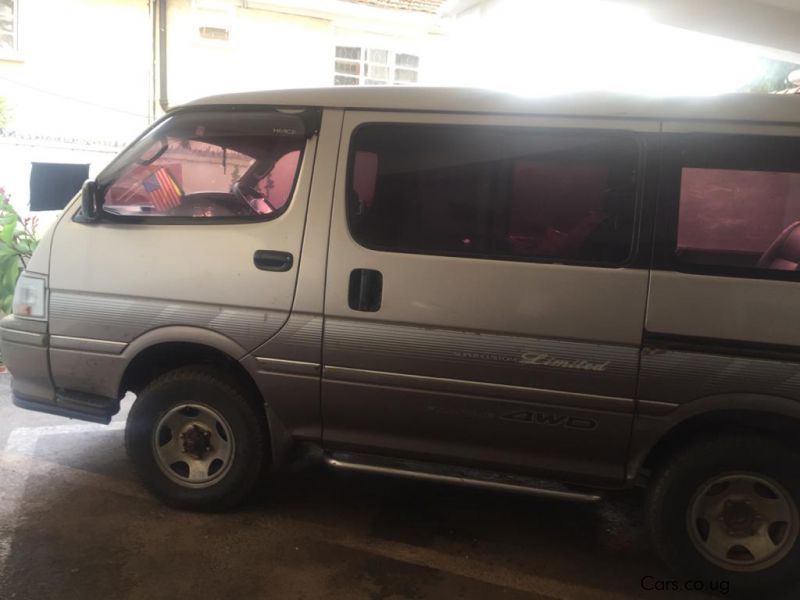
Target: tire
[
  {"x": 716, "y": 500},
  {"x": 196, "y": 440}
]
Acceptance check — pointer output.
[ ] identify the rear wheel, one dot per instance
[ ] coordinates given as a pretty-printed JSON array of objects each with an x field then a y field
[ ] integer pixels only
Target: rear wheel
[
  {"x": 726, "y": 509},
  {"x": 196, "y": 439}
]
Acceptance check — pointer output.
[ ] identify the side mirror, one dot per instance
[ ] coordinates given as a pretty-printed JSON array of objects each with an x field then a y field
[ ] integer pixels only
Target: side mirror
[{"x": 89, "y": 206}]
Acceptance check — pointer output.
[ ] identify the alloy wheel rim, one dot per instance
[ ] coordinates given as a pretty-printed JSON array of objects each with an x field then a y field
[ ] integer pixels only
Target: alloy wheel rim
[
  {"x": 743, "y": 521},
  {"x": 193, "y": 445}
]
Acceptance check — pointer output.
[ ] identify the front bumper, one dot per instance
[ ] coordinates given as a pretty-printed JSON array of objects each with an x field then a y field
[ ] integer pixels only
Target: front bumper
[
  {"x": 23, "y": 345},
  {"x": 24, "y": 348}
]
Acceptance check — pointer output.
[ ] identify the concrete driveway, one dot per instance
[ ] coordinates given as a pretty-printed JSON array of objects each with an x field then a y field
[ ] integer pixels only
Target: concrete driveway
[{"x": 75, "y": 524}]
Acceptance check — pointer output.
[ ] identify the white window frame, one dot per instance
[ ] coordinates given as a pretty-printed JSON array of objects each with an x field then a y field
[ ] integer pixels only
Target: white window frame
[
  {"x": 13, "y": 53},
  {"x": 363, "y": 62}
]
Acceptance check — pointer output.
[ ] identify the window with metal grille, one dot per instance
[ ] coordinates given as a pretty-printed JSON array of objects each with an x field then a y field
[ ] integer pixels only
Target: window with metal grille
[
  {"x": 357, "y": 65},
  {"x": 9, "y": 26}
]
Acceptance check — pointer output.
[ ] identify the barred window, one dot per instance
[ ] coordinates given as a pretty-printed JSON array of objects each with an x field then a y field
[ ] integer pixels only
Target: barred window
[{"x": 356, "y": 65}]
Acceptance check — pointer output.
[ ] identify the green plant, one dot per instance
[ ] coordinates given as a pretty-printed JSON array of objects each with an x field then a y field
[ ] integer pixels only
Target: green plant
[{"x": 17, "y": 242}]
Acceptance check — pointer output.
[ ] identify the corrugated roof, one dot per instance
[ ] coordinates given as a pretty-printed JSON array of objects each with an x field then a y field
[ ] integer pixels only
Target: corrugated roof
[{"x": 424, "y": 6}]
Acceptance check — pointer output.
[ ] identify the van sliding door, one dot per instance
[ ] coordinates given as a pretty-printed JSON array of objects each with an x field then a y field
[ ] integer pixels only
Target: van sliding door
[
  {"x": 484, "y": 303},
  {"x": 722, "y": 328}
]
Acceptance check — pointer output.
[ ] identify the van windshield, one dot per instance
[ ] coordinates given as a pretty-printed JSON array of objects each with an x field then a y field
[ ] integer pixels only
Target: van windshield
[{"x": 208, "y": 164}]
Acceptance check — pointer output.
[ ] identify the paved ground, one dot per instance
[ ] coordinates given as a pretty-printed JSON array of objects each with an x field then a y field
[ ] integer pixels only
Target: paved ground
[{"x": 75, "y": 524}]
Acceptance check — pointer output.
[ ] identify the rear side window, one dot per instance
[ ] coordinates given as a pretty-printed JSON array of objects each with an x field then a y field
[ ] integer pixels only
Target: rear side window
[
  {"x": 739, "y": 204},
  {"x": 493, "y": 193},
  {"x": 209, "y": 164}
]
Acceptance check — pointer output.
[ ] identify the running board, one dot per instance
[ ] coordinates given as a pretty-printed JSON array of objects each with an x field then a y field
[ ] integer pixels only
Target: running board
[{"x": 412, "y": 469}]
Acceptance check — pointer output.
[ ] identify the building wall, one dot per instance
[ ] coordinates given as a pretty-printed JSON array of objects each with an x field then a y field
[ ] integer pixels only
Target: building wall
[
  {"x": 16, "y": 157},
  {"x": 82, "y": 84},
  {"x": 268, "y": 48},
  {"x": 264, "y": 50},
  {"x": 83, "y": 69},
  {"x": 77, "y": 89}
]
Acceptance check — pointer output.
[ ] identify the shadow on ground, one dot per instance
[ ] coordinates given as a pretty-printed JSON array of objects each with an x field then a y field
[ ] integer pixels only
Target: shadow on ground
[{"x": 78, "y": 525}]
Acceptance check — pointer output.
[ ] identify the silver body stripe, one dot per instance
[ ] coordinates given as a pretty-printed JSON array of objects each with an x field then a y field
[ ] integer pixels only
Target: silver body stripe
[
  {"x": 122, "y": 319},
  {"x": 479, "y": 388},
  {"x": 486, "y": 357},
  {"x": 86, "y": 344},
  {"x": 293, "y": 367},
  {"x": 23, "y": 337},
  {"x": 673, "y": 376}
]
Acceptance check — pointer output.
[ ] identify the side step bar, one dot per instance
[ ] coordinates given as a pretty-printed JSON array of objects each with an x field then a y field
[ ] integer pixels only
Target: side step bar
[
  {"x": 87, "y": 407},
  {"x": 74, "y": 405},
  {"x": 464, "y": 476}
]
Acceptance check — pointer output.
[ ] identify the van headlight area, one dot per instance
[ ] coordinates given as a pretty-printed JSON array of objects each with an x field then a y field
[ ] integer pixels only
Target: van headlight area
[{"x": 30, "y": 297}]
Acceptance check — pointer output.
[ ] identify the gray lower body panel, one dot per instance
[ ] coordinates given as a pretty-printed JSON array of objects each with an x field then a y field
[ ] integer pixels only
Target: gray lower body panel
[
  {"x": 677, "y": 385},
  {"x": 291, "y": 391},
  {"x": 681, "y": 376},
  {"x": 570, "y": 366},
  {"x": 110, "y": 318},
  {"x": 580, "y": 445},
  {"x": 559, "y": 408},
  {"x": 23, "y": 343},
  {"x": 95, "y": 373},
  {"x": 29, "y": 366}
]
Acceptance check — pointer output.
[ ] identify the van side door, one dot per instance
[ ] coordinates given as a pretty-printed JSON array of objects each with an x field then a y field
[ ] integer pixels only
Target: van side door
[
  {"x": 722, "y": 331},
  {"x": 484, "y": 299},
  {"x": 198, "y": 242}
]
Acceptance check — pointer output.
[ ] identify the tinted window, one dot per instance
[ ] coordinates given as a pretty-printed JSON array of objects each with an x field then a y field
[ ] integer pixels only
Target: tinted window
[
  {"x": 209, "y": 164},
  {"x": 739, "y": 204},
  {"x": 493, "y": 193}
]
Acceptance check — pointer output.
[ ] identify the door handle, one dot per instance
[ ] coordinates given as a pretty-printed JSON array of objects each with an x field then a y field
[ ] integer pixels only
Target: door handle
[
  {"x": 273, "y": 260},
  {"x": 366, "y": 290}
]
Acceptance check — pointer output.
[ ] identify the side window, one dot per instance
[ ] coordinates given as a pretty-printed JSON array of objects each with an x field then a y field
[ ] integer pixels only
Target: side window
[
  {"x": 739, "y": 204},
  {"x": 572, "y": 197},
  {"x": 208, "y": 164},
  {"x": 493, "y": 193}
]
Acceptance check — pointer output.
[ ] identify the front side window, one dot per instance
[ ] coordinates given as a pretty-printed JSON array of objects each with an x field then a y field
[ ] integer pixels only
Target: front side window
[
  {"x": 494, "y": 193},
  {"x": 739, "y": 205},
  {"x": 208, "y": 164}
]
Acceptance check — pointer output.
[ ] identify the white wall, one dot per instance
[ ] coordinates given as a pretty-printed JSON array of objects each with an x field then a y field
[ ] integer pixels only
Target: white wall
[
  {"x": 82, "y": 71},
  {"x": 15, "y": 169},
  {"x": 81, "y": 85},
  {"x": 265, "y": 50},
  {"x": 272, "y": 49}
]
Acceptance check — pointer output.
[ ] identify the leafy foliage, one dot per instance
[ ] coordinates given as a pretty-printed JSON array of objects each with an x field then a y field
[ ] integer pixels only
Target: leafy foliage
[{"x": 17, "y": 242}]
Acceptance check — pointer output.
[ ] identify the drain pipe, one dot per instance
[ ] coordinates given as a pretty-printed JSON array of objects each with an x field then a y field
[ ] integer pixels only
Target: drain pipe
[
  {"x": 153, "y": 108},
  {"x": 160, "y": 24}
]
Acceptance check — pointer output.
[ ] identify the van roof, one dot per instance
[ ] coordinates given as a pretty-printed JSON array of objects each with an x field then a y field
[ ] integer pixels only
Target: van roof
[{"x": 759, "y": 108}]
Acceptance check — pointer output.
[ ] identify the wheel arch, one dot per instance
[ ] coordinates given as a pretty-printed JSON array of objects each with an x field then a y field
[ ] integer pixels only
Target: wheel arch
[
  {"x": 656, "y": 438},
  {"x": 169, "y": 348}
]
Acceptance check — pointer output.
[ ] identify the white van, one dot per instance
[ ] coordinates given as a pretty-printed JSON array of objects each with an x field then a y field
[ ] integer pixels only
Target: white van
[{"x": 556, "y": 297}]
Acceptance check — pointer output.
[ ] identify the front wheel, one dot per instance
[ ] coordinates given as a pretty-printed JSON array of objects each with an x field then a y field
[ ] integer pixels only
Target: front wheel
[
  {"x": 196, "y": 440},
  {"x": 726, "y": 509}
]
